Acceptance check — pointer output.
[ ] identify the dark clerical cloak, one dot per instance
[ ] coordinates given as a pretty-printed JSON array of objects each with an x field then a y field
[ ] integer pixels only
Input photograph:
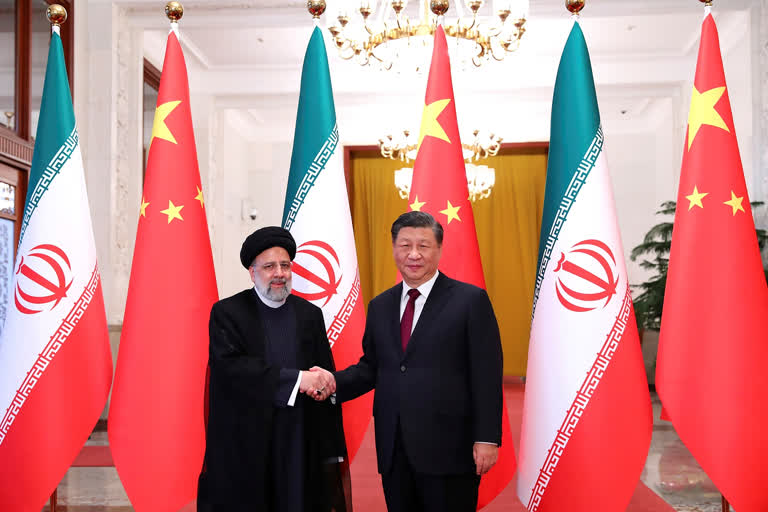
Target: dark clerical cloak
[{"x": 248, "y": 427}]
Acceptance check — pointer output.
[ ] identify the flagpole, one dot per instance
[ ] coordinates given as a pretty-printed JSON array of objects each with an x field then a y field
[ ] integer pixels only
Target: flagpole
[
  {"x": 316, "y": 8},
  {"x": 726, "y": 507},
  {"x": 174, "y": 11},
  {"x": 574, "y": 6},
  {"x": 56, "y": 15}
]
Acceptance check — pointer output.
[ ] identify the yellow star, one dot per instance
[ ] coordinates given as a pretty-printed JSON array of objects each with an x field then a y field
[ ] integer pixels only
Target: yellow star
[
  {"x": 199, "y": 197},
  {"x": 735, "y": 203},
  {"x": 703, "y": 112},
  {"x": 416, "y": 204},
  {"x": 429, "y": 124},
  {"x": 144, "y": 204},
  {"x": 173, "y": 211},
  {"x": 452, "y": 212},
  {"x": 159, "y": 128},
  {"x": 695, "y": 198}
]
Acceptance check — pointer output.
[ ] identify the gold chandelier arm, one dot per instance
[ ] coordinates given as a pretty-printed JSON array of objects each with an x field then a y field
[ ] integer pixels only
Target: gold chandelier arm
[
  {"x": 388, "y": 34},
  {"x": 495, "y": 30},
  {"x": 513, "y": 46},
  {"x": 474, "y": 22},
  {"x": 493, "y": 54},
  {"x": 346, "y": 51},
  {"x": 466, "y": 28}
]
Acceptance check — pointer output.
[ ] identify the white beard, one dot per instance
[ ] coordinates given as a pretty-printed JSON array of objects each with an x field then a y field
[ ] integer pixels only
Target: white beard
[{"x": 277, "y": 295}]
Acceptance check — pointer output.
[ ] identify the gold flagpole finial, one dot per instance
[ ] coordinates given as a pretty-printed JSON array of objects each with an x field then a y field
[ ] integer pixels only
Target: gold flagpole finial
[
  {"x": 174, "y": 11},
  {"x": 316, "y": 8},
  {"x": 56, "y": 14},
  {"x": 574, "y": 6},
  {"x": 439, "y": 7},
  {"x": 707, "y": 3}
]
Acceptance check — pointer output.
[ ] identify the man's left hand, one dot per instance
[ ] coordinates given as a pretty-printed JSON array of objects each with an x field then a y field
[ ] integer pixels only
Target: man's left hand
[{"x": 485, "y": 456}]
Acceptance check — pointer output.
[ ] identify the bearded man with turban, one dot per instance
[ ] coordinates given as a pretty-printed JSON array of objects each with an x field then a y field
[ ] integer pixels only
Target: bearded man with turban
[{"x": 274, "y": 443}]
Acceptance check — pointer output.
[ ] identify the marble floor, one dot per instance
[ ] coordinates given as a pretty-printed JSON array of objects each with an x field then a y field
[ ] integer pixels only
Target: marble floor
[{"x": 670, "y": 471}]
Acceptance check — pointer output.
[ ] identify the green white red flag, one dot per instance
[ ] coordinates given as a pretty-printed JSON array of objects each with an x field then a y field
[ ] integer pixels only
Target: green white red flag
[
  {"x": 587, "y": 413},
  {"x": 55, "y": 361},
  {"x": 317, "y": 214}
]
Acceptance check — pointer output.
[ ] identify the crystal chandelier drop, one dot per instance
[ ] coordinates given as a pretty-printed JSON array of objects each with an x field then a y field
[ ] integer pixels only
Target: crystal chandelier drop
[
  {"x": 385, "y": 36},
  {"x": 480, "y": 178}
]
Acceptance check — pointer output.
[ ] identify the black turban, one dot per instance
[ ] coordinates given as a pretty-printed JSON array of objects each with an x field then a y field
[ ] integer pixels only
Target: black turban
[{"x": 266, "y": 238}]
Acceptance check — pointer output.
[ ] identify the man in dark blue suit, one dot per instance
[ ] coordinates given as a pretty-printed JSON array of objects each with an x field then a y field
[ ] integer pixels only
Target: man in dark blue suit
[{"x": 432, "y": 351}]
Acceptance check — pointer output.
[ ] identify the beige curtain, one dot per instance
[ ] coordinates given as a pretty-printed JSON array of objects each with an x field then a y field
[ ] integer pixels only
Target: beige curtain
[{"x": 508, "y": 225}]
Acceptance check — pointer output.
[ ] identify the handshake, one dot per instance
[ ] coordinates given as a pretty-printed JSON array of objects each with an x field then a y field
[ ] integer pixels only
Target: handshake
[{"x": 318, "y": 383}]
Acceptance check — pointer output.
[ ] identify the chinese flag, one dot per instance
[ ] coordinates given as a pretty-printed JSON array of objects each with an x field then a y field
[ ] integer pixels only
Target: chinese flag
[
  {"x": 440, "y": 187},
  {"x": 156, "y": 427},
  {"x": 711, "y": 372}
]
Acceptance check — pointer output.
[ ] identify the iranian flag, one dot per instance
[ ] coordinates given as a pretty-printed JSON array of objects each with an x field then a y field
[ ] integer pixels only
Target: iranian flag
[
  {"x": 587, "y": 412},
  {"x": 55, "y": 362},
  {"x": 317, "y": 214}
]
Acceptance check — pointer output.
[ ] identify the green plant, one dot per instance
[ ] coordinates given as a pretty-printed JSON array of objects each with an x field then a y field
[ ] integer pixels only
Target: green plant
[{"x": 656, "y": 245}]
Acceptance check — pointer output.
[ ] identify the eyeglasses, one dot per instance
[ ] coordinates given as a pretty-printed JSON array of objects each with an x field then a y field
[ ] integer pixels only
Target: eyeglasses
[{"x": 270, "y": 267}]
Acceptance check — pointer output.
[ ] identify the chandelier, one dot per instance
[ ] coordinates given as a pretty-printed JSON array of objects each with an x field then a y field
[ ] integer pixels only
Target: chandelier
[
  {"x": 480, "y": 178},
  {"x": 393, "y": 39}
]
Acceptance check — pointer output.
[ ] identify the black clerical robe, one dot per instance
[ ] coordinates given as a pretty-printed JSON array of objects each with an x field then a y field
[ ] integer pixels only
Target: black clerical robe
[{"x": 238, "y": 468}]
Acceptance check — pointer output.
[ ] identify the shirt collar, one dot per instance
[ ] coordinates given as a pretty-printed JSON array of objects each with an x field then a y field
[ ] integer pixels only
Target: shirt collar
[
  {"x": 274, "y": 304},
  {"x": 424, "y": 288}
]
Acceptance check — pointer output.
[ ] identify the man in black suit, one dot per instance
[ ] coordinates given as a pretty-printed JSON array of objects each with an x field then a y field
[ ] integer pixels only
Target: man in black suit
[
  {"x": 434, "y": 357},
  {"x": 269, "y": 447}
]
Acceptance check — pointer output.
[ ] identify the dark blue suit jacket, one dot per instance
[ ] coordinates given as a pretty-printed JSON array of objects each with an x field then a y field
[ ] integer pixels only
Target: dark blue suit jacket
[{"x": 445, "y": 391}]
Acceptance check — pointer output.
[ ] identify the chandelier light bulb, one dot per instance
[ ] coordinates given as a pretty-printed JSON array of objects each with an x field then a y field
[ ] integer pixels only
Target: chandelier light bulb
[{"x": 480, "y": 178}]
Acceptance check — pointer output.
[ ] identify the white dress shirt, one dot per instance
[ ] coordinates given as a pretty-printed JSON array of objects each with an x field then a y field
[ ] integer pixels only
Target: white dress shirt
[{"x": 418, "y": 306}]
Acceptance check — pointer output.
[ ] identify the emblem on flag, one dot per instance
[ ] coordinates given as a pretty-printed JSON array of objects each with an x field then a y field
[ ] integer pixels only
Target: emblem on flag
[
  {"x": 314, "y": 259},
  {"x": 586, "y": 275},
  {"x": 44, "y": 277}
]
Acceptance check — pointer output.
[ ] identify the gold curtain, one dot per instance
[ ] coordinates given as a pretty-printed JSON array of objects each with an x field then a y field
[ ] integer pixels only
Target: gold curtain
[{"x": 507, "y": 223}]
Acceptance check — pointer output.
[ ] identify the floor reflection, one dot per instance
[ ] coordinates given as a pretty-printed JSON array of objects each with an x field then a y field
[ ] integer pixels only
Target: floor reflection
[{"x": 670, "y": 471}]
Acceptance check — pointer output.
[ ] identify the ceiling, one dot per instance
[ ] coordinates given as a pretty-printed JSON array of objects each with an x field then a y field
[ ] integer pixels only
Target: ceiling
[{"x": 247, "y": 54}]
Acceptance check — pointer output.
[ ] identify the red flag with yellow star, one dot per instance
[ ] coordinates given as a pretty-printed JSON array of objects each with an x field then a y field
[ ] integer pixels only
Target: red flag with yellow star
[
  {"x": 440, "y": 187},
  {"x": 156, "y": 428},
  {"x": 710, "y": 373}
]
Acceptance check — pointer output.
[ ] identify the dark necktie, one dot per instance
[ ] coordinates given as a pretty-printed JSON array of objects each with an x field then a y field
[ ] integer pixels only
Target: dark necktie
[{"x": 406, "y": 323}]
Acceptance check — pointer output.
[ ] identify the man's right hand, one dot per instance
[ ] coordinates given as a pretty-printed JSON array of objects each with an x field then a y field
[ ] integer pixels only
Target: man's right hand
[{"x": 317, "y": 383}]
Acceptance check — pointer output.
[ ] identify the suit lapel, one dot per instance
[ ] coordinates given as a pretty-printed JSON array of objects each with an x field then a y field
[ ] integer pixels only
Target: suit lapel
[
  {"x": 436, "y": 301},
  {"x": 393, "y": 315}
]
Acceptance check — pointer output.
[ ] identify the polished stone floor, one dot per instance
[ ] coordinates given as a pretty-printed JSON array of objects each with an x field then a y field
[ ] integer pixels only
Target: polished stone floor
[{"x": 670, "y": 471}]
